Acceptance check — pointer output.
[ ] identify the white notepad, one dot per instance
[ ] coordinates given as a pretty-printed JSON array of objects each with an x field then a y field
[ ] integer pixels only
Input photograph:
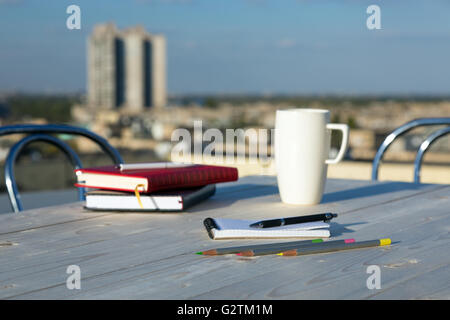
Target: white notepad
[{"x": 235, "y": 229}]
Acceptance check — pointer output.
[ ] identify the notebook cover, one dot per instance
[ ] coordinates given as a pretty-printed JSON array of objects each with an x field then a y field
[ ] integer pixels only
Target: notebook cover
[
  {"x": 210, "y": 224},
  {"x": 167, "y": 178},
  {"x": 189, "y": 197}
]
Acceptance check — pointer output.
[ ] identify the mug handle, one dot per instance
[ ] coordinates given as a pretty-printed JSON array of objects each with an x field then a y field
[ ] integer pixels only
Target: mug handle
[{"x": 341, "y": 153}]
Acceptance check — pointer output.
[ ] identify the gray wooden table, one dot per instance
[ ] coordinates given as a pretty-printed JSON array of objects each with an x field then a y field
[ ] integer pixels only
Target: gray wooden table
[{"x": 151, "y": 256}]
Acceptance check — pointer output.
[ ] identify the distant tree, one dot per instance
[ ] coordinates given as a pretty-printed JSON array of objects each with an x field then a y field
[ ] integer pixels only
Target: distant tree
[
  {"x": 351, "y": 122},
  {"x": 336, "y": 118},
  {"x": 4, "y": 110},
  {"x": 51, "y": 108},
  {"x": 211, "y": 103}
]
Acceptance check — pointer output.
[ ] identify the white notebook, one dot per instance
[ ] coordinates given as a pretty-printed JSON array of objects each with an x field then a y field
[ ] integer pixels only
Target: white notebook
[
  {"x": 235, "y": 229},
  {"x": 170, "y": 200}
]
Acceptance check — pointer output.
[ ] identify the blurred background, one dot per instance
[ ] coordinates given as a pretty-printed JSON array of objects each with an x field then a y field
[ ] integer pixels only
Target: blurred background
[{"x": 136, "y": 70}]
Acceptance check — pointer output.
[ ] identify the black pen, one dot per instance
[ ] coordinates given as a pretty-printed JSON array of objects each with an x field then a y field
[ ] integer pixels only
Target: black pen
[{"x": 292, "y": 220}]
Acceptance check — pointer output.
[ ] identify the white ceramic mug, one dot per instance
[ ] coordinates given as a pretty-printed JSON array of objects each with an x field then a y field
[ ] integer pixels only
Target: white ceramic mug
[{"x": 302, "y": 144}]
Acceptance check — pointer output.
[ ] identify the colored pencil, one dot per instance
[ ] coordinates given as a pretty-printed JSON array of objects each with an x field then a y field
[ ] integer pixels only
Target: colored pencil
[
  {"x": 343, "y": 246},
  {"x": 232, "y": 250},
  {"x": 275, "y": 250}
]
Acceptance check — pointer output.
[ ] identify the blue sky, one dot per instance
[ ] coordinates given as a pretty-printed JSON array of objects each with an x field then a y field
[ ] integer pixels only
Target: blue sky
[{"x": 241, "y": 46}]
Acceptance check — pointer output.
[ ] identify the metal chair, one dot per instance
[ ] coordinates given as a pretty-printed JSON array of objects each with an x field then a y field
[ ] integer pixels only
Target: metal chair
[
  {"x": 423, "y": 147},
  {"x": 42, "y": 133}
]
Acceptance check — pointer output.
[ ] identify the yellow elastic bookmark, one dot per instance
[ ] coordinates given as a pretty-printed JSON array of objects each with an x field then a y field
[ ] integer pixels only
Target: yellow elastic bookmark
[{"x": 138, "y": 196}]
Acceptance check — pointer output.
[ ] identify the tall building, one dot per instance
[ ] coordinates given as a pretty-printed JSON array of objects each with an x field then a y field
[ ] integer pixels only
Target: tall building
[{"x": 126, "y": 68}]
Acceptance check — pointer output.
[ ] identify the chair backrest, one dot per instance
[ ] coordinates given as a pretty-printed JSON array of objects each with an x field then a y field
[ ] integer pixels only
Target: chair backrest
[
  {"x": 423, "y": 147},
  {"x": 41, "y": 133}
]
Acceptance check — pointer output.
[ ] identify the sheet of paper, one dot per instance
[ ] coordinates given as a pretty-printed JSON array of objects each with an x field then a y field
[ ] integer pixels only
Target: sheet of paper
[{"x": 233, "y": 228}]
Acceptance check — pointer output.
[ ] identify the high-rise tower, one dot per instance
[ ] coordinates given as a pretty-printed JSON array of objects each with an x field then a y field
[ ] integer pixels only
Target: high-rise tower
[{"x": 126, "y": 68}]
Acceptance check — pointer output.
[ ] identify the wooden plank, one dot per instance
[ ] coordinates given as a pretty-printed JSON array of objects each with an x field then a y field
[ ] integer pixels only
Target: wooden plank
[
  {"x": 119, "y": 254},
  {"x": 61, "y": 214},
  {"x": 340, "y": 275},
  {"x": 123, "y": 225},
  {"x": 39, "y": 199}
]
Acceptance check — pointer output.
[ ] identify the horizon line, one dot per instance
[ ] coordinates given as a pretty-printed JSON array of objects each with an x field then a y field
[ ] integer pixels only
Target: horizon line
[{"x": 248, "y": 94}]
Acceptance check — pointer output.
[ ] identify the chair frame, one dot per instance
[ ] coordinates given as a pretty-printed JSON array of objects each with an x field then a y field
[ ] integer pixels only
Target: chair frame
[
  {"x": 42, "y": 133},
  {"x": 422, "y": 149}
]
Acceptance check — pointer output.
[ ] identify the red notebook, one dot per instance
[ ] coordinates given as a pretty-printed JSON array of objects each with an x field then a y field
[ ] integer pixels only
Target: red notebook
[{"x": 151, "y": 180}]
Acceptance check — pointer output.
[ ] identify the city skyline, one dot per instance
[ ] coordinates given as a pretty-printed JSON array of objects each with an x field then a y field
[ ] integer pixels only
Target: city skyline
[{"x": 239, "y": 47}]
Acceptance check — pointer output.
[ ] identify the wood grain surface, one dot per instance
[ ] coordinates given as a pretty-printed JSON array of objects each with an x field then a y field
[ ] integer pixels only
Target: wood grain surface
[{"x": 152, "y": 255}]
